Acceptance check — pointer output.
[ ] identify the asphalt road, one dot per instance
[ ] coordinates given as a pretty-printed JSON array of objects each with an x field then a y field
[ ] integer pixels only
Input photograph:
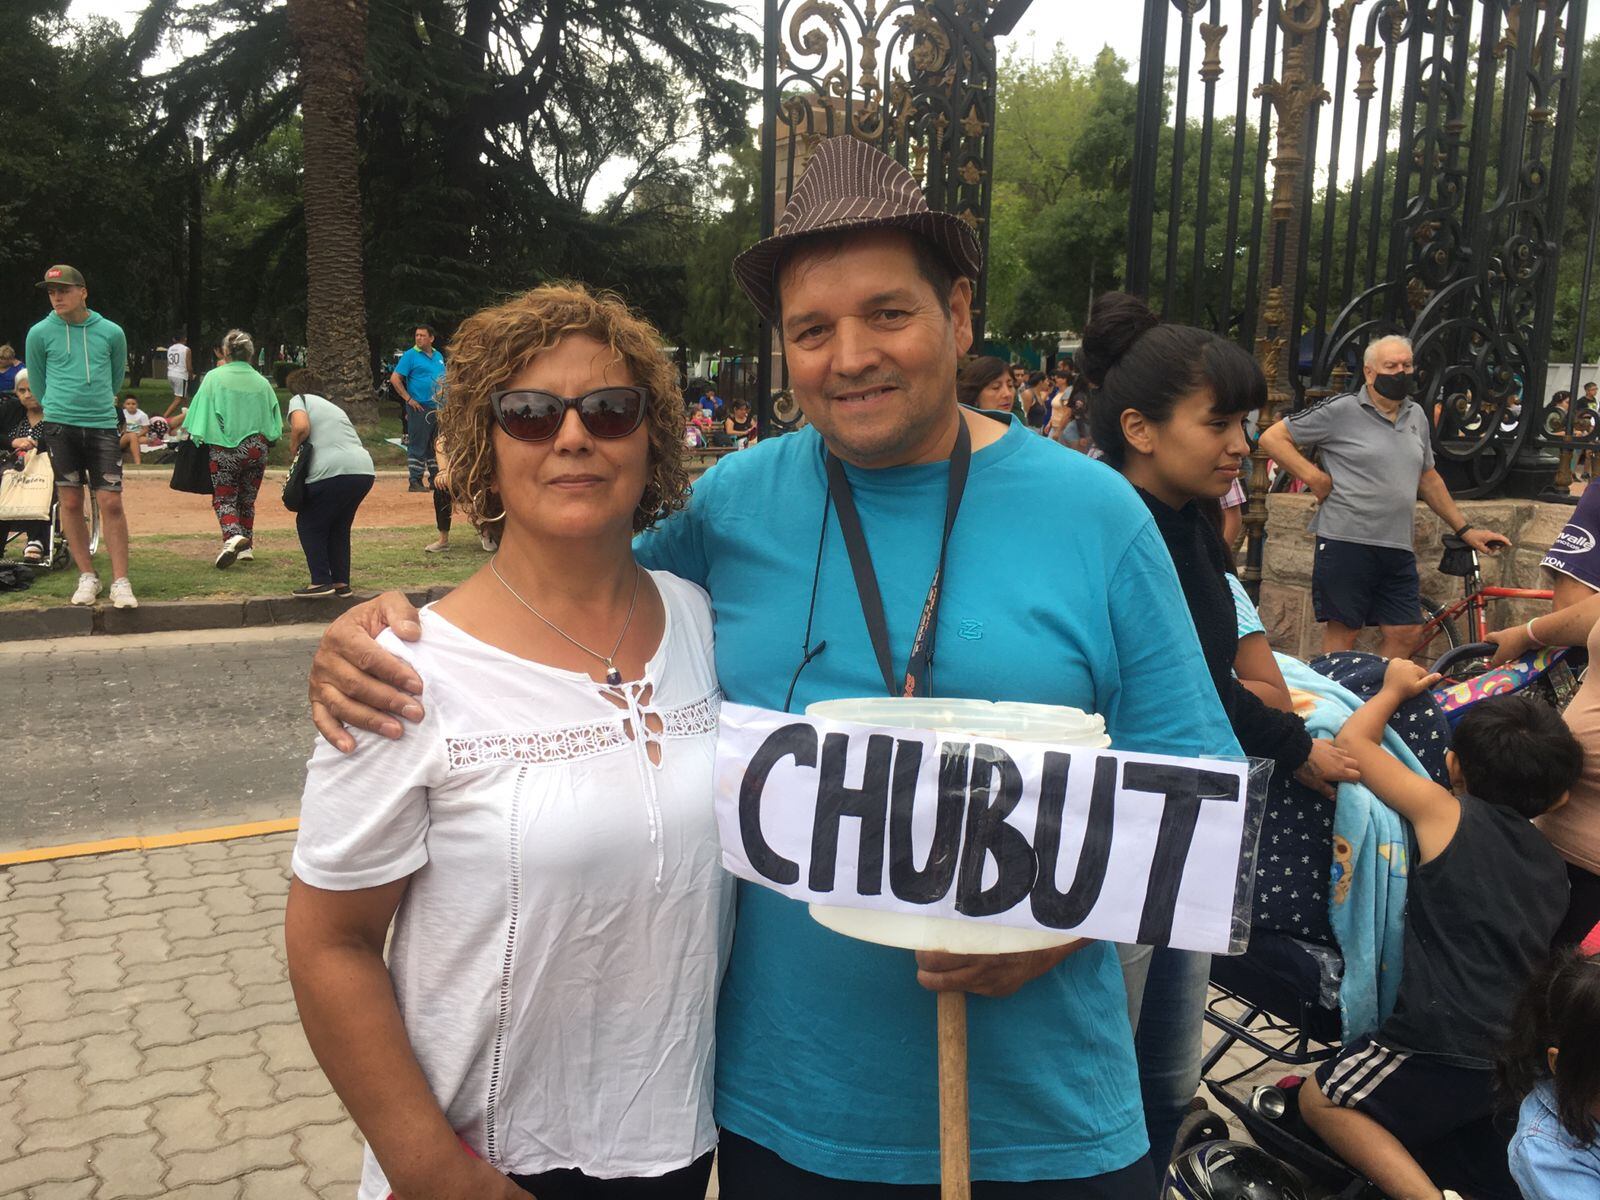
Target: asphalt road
[{"x": 153, "y": 733}]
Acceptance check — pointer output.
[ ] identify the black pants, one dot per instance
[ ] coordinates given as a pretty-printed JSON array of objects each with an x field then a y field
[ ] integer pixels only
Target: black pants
[
  {"x": 686, "y": 1183},
  {"x": 324, "y": 523},
  {"x": 747, "y": 1171},
  {"x": 441, "y": 507},
  {"x": 1583, "y": 907},
  {"x": 30, "y": 531}
]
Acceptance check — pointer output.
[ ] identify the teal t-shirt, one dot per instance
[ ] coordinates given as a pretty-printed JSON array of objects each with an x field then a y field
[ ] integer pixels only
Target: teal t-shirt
[{"x": 826, "y": 1046}]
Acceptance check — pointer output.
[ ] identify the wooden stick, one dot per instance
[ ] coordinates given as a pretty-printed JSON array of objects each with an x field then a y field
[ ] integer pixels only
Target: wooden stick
[{"x": 955, "y": 1151}]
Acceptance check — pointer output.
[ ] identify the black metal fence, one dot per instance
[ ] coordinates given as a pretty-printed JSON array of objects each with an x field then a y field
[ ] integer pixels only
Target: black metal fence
[
  {"x": 914, "y": 77},
  {"x": 1421, "y": 158}
]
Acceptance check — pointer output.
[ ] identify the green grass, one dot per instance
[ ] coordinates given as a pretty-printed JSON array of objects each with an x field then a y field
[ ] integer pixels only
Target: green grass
[
  {"x": 180, "y": 567},
  {"x": 156, "y": 394}
]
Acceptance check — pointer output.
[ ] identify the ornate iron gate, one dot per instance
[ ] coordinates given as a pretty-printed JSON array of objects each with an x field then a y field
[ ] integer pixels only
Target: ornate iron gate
[
  {"x": 916, "y": 78},
  {"x": 1420, "y": 171}
]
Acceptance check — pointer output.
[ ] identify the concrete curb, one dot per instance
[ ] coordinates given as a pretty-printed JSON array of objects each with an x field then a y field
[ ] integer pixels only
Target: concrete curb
[{"x": 169, "y": 616}]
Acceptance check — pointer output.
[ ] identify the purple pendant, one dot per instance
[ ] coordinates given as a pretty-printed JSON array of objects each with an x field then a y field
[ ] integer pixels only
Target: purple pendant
[{"x": 613, "y": 677}]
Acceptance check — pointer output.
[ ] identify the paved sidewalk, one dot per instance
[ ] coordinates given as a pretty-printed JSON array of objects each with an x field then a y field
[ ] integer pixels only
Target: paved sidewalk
[{"x": 149, "y": 1044}]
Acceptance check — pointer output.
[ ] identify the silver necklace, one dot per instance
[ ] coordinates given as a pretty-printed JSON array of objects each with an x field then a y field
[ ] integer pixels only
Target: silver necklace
[{"x": 613, "y": 676}]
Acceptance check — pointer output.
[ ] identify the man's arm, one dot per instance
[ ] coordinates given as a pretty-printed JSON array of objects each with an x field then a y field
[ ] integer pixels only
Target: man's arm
[
  {"x": 1432, "y": 810},
  {"x": 1436, "y": 495},
  {"x": 38, "y": 366},
  {"x": 1278, "y": 442},
  {"x": 119, "y": 359}
]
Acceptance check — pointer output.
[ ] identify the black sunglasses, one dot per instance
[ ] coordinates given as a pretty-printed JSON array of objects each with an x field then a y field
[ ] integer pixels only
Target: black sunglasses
[{"x": 534, "y": 416}]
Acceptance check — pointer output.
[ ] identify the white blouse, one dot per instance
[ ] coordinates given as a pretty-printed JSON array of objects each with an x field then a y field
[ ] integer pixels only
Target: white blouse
[{"x": 557, "y": 954}]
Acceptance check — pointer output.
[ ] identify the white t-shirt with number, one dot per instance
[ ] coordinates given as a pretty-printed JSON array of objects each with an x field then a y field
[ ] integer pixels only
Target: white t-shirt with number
[
  {"x": 557, "y": 954},
  {"x": 177, "y": 361}
]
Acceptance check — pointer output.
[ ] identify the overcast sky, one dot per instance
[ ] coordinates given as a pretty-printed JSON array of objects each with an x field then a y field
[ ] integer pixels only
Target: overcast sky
[{"x": 1084, "y": 25}]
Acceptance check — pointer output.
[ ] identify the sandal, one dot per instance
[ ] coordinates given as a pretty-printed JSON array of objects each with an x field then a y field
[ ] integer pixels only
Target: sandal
[{"x": 33, "y": 555}]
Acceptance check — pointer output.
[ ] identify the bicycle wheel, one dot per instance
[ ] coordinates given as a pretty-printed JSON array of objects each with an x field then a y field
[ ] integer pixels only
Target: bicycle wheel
[{"x": 1438, "y": 635}]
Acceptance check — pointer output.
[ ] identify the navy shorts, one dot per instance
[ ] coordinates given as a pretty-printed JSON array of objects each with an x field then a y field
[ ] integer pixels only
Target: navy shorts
[
  {"x": 1359, "y": 585},
  {"x": 1575, "y": 551},
  {"x": 1444, "y": 1115}
]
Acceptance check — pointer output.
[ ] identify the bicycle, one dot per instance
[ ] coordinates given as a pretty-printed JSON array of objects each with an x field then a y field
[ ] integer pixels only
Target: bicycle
[{"x": 1440, "y": 632}]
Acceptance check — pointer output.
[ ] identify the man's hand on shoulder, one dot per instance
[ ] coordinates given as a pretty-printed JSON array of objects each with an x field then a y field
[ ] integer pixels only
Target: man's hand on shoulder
[{"x": 356, "y": 683}]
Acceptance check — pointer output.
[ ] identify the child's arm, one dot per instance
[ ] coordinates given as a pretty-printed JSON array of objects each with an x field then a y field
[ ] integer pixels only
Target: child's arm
[{"x": 1432, "y": 810}]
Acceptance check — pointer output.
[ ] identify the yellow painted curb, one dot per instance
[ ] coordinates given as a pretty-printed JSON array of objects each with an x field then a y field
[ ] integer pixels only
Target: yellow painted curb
[{"x": 160, "y": 841}]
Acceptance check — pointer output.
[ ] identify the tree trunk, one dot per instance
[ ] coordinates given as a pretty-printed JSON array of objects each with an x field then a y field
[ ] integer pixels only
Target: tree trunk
[{"x": 332, "y": 39}]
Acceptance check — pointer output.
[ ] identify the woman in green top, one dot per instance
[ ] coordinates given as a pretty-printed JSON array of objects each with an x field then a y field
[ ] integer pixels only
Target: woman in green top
[{"x": 237, "y": 415}]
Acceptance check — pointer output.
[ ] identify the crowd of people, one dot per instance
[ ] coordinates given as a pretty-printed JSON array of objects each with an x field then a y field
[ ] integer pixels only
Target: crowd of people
[{"x": 513, "y": 786}]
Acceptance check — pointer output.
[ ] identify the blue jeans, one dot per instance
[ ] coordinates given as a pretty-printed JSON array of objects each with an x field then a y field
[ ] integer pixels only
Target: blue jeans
[
  {"x": 422, "y": 432},
  {"x": 1166, "y": 1007}
]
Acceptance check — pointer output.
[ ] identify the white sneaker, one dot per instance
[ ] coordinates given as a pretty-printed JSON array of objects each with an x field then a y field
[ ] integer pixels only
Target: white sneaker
[
  {"x": 245, "y": 555},
  {"x": 88, "y": 588},
  {"x": 122, "y": 594},
  {"x": 230, "y": 550}
]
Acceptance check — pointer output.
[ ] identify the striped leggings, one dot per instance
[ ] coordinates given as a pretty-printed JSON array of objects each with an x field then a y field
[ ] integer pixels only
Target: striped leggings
[{"x": 236, "y": 474}]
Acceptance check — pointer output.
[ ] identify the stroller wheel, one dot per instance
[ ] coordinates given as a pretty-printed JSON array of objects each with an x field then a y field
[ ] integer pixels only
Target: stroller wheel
[{"x": 1201, "y": 1125}]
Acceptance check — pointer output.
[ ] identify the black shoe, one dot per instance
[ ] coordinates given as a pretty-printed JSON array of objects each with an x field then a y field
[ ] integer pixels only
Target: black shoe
[
  {"x": 313, "y": 591},
  {"x": 418, "y": 486},
  {"x": 342, "y": 589}
]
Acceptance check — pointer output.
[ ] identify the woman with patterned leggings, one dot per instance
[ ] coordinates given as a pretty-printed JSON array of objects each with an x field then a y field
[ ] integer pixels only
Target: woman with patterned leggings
[{"x": 237, "y": 415}]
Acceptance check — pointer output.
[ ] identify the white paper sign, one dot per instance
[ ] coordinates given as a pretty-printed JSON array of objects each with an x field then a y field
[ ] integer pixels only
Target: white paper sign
[{"x": 1122, "y": 847}]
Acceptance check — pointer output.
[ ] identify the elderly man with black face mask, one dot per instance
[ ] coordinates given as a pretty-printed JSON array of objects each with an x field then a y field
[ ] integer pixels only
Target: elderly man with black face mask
[{"x": 1377, "y": 458}]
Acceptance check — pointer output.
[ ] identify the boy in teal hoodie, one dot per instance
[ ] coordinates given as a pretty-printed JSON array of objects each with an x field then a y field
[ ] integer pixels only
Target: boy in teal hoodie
[{"x": 76, "y": 362}]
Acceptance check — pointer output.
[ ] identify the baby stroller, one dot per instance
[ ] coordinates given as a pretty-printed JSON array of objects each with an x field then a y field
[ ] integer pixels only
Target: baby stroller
[{"x": 1282, "y": 998}]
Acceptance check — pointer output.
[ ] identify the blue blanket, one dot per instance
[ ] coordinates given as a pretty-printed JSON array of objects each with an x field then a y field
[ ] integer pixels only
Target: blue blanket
[{"x": 1371, "y": 860}]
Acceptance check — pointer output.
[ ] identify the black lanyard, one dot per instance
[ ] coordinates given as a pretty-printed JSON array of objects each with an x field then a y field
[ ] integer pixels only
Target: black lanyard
[{"x": 918, "y": 667}]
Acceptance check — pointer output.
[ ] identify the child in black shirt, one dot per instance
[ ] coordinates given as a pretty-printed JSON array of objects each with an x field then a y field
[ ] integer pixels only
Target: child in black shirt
[{"x": 1487, "y": 894}]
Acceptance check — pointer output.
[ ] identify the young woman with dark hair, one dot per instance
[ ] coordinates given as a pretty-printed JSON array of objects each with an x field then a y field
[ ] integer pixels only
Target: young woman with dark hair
[
  {"x": 1167, "y": 406},
  {"x": 1551, "y": 1067}
]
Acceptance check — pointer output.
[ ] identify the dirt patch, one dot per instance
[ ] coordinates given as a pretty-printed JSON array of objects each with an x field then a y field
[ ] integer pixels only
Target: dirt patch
[{"x": 154, "y": 508}]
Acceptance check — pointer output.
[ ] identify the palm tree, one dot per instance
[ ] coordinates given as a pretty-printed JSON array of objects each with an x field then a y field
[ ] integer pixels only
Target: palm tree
[{"x": 332, "y": 38}]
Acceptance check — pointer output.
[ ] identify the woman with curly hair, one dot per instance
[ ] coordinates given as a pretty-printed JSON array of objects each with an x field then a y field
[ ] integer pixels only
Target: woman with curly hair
[{"x": 543, "y": 842}]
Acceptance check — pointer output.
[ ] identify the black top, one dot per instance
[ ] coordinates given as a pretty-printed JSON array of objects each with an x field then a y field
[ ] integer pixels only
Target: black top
[
  {"x": 1196, "y": 549},
  {"x": 1479, "y": 919}
]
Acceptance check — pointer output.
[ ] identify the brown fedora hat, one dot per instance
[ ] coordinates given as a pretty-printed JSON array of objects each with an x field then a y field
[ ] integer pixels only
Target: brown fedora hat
[{"x": 850, "y": 185}]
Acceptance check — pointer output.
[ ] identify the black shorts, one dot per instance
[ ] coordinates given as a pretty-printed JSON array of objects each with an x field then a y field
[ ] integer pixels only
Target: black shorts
[
  {"x": 1359, "y": 585},
  {"x": 1443, "y": 1115},
  {"x": 84, "y": 457}
]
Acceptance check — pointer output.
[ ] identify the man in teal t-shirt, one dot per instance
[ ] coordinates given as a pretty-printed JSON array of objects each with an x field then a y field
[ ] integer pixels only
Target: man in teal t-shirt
[
  {"x": 826, "y": 1068},
  {"x": 76, "y": 363},
  {"x": 416, "y": 377}
]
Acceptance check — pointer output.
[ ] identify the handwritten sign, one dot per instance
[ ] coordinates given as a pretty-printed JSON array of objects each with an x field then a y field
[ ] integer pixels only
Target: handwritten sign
[{"x": 1100, "y": 844}]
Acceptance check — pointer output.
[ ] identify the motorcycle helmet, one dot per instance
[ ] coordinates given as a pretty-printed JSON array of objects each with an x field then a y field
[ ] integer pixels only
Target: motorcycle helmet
[{"x": 1229, "y": 1171}]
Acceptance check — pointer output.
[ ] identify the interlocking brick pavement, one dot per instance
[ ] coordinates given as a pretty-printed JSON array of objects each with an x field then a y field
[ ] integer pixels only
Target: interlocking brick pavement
[
  {"x": 149, "y": 1044},
  {"x": 148, "y": 1039}
]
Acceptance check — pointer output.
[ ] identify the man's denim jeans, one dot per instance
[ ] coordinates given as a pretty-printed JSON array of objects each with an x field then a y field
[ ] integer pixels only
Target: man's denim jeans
[{"x": 1166, "y": 1008}]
